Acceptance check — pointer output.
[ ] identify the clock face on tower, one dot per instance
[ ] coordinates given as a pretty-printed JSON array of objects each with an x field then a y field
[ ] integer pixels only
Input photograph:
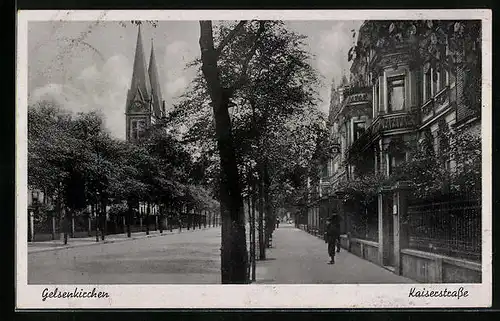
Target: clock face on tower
[{"x": 136, "y": 105}]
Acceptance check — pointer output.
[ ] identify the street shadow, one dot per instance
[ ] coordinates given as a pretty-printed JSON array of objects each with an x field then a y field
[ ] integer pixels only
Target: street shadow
[{"x": 267, "y": 259}]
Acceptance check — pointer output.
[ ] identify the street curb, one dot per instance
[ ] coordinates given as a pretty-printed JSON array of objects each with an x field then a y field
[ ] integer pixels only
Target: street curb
[{"x": 132, "y": 238}]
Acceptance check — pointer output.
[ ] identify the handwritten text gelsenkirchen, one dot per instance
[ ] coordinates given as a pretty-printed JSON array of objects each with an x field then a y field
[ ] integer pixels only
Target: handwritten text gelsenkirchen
[
  {"x": 445, "y": 293},
  {"x": 77, "y": 293}
]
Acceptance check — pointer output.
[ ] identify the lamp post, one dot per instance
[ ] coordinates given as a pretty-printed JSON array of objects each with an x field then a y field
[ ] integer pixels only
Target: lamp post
[{"x": 31, "y": 221}]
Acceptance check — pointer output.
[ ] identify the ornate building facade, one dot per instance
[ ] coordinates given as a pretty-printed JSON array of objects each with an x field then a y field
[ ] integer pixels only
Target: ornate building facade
[{"x": 377, "y": 119}]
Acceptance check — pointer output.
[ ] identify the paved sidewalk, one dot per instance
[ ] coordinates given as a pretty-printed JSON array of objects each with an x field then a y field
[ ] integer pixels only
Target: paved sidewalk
[
  {"x": 35, "y": 247},
  {"x": 300, "y": 258}
]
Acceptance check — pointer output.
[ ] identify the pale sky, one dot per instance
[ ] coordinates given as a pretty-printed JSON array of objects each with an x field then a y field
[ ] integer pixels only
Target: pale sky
[{"x": 88, "y": 65}]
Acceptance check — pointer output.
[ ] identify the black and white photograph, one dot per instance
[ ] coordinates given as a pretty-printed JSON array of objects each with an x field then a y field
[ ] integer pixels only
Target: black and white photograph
[{"x": 287, "y": 159}]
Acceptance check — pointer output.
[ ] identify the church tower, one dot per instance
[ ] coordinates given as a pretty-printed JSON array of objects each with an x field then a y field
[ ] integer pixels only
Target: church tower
[{"x": 144, "y": 103}]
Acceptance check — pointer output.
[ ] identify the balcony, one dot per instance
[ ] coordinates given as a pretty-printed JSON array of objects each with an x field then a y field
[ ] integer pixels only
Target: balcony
[
  {"x": 388, "y": 122},
  {"x": 381, "y": 125},
  {"x": 434, "y": 105},
  {"x": 358, "y": 98},
  {"x": 357, "y": 102}
]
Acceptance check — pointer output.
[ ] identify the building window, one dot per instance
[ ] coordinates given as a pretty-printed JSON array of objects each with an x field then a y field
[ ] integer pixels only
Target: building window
[
  {"x": 451, "y": 78},
  {"x": 446, "y": 78},
  {"x": 419, "y": 88},
  {"x": 395, "y": 160},
  {"x": 380, "y": 96},
  {"x": 396, "y": 91},
  {"x": 324, "y": 172},
  {"x": 359, "y": 129},
  {"x": 435, "y": 82},
  {"x": 427, "y": 85},
  {"x": 136, "y": 129}
]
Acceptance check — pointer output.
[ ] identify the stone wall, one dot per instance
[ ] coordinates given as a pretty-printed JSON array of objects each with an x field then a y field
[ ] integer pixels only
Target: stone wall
[
  {"x": 433, "y": 268},
  {"x": 367, "y": 250}
]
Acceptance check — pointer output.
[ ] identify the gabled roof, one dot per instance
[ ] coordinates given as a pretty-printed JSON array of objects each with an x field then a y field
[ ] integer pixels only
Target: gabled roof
[{"x": 155, "y": 84}]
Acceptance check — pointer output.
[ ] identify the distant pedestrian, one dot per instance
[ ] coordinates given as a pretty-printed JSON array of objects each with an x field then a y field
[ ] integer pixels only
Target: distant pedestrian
[
  {"x": 277, "y": 222},
  {"x": 332, "y": 236}
]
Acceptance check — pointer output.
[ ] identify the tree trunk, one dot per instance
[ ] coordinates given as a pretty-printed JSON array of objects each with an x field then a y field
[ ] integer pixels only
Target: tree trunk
[
  {"x": 233, "y": 247},
  {"x": 252, "y": 231},
  {"x": 65, "y": 224},
  {"x": 262, "y": 247},
  {"x": 252, "y": 257},
  {"x": 148, "y": 210},
  {"x": 179, "y": 219},
  {"x": 97, "y": 221},
  {"x": 129, "y": 219},
  {"x": 170, "y": 217},
  {"x": 161, "y": 218},
  {"x": 89, "y": 223},
  {"x": 103, "y": 219},
  {"x": 269, "y": 217}
]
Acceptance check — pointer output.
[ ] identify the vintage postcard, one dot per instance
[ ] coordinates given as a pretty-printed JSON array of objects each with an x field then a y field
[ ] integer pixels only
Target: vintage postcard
[{"x": 254, "y": 159}]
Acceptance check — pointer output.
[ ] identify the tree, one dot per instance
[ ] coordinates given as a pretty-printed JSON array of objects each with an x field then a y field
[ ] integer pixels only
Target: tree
[
  {"x": 270, "y": 87},
  {"x": 221, "y": 87},
  {"x": 53, "y": 159}
]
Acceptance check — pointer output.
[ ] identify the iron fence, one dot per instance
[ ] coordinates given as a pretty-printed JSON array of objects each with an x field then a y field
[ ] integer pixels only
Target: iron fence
[{"x": 450, "y": 227}]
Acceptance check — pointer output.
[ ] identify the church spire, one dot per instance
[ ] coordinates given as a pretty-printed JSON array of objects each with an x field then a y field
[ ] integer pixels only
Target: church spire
[
  {"x": 140, "y": 80},
  {"x": 155, "y": 83}
]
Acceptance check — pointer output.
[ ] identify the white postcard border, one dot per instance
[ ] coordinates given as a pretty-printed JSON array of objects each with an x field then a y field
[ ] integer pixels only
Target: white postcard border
[{"x": 250, "y": 296}]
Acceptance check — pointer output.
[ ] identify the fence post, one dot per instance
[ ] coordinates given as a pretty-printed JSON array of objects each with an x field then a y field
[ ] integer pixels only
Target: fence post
[
  {"x": 53, "y": 227},
  {"x": 72, "y": 225},
  {"x": 439, "y": 270},
  {"x": 89, "y": 225},
  {"x": 400, "y": 216},
  {"x": 380, "y": 209}
]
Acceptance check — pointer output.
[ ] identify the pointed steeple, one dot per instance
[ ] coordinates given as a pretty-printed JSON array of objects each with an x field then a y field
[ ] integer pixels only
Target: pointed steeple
[
  {"x": 140, "y": 84},
  {"x": 155, "y": 83},
  {"x": 345, "y": 82}
]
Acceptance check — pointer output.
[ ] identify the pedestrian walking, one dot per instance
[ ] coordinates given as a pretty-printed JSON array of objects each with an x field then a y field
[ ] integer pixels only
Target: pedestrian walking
[
  {"x": 332, "y": 236},
  {"x": 277, "y": 222}
]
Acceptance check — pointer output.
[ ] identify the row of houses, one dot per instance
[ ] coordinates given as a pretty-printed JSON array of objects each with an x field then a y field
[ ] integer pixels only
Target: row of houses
[{"x": 377, "y": 119}]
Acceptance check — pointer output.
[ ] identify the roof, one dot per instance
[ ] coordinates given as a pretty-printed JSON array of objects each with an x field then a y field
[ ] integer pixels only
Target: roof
[
  {"x": 155, "y": 83},
  {"x": 140, "y": 78}
]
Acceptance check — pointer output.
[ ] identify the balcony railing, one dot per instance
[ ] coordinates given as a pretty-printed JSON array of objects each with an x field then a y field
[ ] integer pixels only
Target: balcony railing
[
  {"x": 354, "y": 96},
  {"x": 432, "y": 105},
  {"x": 357, "y": 98},
  {"x": 382, "y": 124},
  {"x": 394, "y": 121}
]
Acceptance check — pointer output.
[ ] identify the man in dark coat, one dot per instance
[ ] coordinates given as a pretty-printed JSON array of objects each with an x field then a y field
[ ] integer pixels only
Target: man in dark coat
[{"x": 332, "y": 236}]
